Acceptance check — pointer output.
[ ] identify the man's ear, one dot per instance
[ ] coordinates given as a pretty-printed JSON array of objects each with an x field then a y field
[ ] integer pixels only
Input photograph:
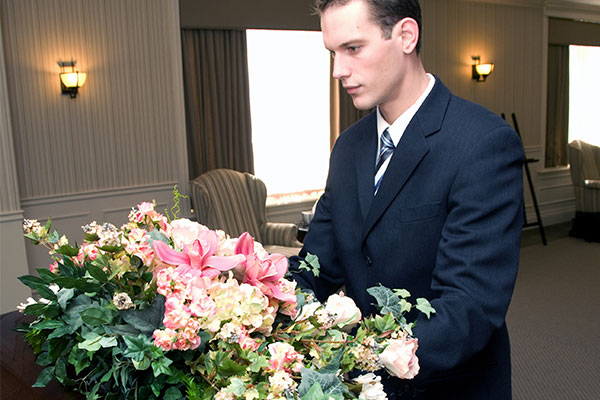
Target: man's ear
[{"x": 407, "y": 32}]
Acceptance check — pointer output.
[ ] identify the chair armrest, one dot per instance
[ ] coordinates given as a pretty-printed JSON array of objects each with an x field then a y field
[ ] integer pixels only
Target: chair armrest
[
  {"x": 281, "y": 234},
  {"x": 591, "y": 184}
]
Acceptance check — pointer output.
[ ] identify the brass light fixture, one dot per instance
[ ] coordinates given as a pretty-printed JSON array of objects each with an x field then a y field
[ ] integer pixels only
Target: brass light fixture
[
  {"x": 70, "y": 78},
  {"x": 481, "y": 71}
]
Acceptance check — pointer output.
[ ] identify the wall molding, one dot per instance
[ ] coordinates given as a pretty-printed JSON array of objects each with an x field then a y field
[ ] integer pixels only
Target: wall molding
[
  {"x": 11, "y": 216},
  {"x": 105, "y": 193}
]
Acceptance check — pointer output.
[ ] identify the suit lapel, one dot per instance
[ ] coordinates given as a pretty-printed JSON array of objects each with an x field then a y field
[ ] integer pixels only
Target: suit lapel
[
  {"x": 365, "y": 154},
  {"x": 408, "y": 154}
]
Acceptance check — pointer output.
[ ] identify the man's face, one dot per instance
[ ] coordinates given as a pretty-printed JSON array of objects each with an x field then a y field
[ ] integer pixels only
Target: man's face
[{"x": 369, "y": 66}]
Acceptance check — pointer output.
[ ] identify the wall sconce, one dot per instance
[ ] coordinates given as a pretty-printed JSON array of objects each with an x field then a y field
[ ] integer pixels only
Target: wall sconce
[
  {"x": 71, "y": 80},
  {"x": 481, "y": 71}
]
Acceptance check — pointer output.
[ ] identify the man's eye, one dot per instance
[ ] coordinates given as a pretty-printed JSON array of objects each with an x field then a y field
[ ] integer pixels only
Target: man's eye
[{"x": 353, "y": 49}]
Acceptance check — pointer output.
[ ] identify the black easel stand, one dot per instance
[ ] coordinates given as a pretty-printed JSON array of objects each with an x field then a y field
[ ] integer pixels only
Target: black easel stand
[{"x": 526, "y": 163}]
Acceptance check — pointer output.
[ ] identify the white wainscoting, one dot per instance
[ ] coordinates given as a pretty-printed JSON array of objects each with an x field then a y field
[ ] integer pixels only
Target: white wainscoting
[
  {"x": 12, "y": 261},
  {"x": 553, "y": 189}
]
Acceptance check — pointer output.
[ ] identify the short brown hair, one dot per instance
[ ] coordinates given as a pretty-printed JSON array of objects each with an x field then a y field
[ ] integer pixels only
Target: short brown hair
[{"x": 386, "y": 13}]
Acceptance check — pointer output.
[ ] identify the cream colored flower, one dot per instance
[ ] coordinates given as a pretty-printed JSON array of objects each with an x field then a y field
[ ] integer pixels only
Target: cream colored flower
[
  {"x": 122, "y": 301},
  {"x": 372, "y": 389}
]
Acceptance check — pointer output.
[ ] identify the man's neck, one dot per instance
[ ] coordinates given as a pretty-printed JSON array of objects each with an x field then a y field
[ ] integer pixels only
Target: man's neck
[{"x": 413, "y": 85}]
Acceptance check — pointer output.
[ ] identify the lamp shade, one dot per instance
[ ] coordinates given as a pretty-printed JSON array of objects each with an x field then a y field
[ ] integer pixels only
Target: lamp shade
[
  {"x": 73, "y": 79},
  {"x": 484, "y": 69}
]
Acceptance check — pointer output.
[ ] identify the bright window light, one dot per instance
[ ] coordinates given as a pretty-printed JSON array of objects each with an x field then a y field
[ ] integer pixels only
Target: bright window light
[
  {"x": 289, "y": 103},
  {"x": 584, "y": 86}
]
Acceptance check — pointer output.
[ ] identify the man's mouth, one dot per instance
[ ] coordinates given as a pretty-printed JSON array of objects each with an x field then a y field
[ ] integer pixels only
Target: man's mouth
[{"x": 351, "y": 89}]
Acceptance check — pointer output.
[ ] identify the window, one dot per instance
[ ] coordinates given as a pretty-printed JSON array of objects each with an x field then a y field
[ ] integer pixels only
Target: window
[
  {"x": 584, "y": 88},
  {"x": 289, "y": 102}
]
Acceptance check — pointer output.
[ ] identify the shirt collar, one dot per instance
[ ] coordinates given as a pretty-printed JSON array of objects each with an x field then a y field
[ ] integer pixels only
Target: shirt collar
[{"x": 399, "y": 125}]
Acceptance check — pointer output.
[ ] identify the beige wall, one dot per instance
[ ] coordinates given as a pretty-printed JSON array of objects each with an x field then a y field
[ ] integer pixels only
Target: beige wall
[
  {"x": 123, "y": 139},
  {"x": 122, "y": 129},
  {"x": 509, "y": 36},
  {"x": 119, "y": 142},
  {"x": 13, "y": 262}
]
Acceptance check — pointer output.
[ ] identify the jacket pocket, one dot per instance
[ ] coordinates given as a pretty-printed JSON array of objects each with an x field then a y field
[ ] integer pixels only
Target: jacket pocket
[{"x": 418, "y": 213}]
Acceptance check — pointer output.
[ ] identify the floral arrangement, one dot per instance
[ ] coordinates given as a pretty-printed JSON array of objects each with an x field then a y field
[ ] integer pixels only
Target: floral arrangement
[{"x": 170, "y": 309}]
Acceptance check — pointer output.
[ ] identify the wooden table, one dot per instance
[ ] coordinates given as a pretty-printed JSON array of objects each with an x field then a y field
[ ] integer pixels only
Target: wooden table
[{"x": 18, "y": 368}]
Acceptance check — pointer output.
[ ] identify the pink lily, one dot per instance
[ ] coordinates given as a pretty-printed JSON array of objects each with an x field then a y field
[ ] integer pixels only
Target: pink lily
[
  {"x": 266, "y": 274},
  {"x": 263, "y": 273},
  {"x": 198, "y": 257}
]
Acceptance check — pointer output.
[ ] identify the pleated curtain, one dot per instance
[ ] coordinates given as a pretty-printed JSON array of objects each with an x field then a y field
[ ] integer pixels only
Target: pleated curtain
[
  {"x": 217, "y": 100},
  {"x": 557, "y": 112}
]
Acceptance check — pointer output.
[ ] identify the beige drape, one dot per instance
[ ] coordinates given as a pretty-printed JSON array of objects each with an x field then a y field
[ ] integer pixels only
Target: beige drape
[
  {"x": 217, "y": 100},
  {"x": 557, "y": 111}
]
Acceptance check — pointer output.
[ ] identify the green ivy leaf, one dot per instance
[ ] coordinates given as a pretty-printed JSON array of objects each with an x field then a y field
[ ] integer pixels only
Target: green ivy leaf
[
  {"x": 161, "y": 366},
  {"x": 98, "y": 316},
  {"x": 45, "y": 377},
  {"x": 236, "y": 387},
  {"x": 330, "y": 383},
  {"x": 48, "y": 324},
  {"x": 334, "y": 365},
  {"x": 137, "y": 347},
  {"x": 63, "y": 296},
  {"x": 60, "y": 370},
  {"x": 425, "y": 307},
  {"x": 402, "y": 293},
  {"x": 316, "y": 393},
  {"x": 173, "y": 393},
  {"x": 146, "y": 320},
  {"x": 387, "y": 301},
  {"x": 311, "y": 264},
  {"x": 156, "y": 235},
  {"x": 79, "y": 359}
]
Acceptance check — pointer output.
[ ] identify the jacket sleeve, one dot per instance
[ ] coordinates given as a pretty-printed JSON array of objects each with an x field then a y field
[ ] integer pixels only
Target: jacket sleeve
[
  {"x": 478, "y": 255},
  {"x": 320, "y": 241}
]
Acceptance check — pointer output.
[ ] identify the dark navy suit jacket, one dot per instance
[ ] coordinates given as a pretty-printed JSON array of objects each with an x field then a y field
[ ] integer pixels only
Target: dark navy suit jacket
[{"x": 445, "y": 224}]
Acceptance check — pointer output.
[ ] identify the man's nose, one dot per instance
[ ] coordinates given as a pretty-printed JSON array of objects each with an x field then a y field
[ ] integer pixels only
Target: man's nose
[{"x": 340, "y": 68}]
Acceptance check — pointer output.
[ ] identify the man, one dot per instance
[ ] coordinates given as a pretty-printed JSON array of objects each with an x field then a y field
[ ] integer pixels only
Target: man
[{"x": 440, "y": 217}]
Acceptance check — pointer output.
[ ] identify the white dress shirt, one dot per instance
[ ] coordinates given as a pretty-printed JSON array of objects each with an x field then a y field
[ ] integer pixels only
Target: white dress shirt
[{"x": 398, "y": 127}]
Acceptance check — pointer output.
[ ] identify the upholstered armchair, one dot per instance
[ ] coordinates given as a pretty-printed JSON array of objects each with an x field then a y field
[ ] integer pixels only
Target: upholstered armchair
[
  {"x": 584, "y": 159},
  {"x": 235, "y": 203}
]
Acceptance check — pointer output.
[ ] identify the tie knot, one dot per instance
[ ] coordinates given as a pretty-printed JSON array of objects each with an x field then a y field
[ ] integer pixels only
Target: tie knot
[{"x": 386, "y": 140}]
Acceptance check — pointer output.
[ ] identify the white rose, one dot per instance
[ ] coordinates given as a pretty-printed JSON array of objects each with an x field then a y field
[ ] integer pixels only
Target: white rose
[
  {"x": 372, "y": 389},
  {"x": 184, "y": 232},
  {"x": 400, "y": 358},
  {"x": 343, "y": 308}
]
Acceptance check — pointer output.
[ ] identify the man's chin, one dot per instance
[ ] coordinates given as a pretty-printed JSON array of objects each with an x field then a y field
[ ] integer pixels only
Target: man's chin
[{"x": 361, "y": 105}]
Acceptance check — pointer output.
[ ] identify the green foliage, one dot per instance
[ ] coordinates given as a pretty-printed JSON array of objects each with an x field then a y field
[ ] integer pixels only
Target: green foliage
[{"x": 311, "y": 264}]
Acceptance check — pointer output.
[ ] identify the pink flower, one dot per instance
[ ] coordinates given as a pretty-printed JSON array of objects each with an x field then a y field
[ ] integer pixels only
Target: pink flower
[
  {"x": 202, "y": 305},
  {"x": 184, "y": 232},
  {"x": 54, "y": 267},
  {"x": 400, "y": 358},
  {"x": 176, "y": 314},
  {"x": 145, "y": 207},
  {"x": 164, "y": 338},
  {"x": 198, "y": 258},
  {"x": 264, "y": 272},
  {"x": 284, "y": 357},
  {"x": 343, "y": 308}
]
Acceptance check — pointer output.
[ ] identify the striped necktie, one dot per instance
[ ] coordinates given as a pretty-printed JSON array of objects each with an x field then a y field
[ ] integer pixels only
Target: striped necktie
[{"x": 386, "y": 149}]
